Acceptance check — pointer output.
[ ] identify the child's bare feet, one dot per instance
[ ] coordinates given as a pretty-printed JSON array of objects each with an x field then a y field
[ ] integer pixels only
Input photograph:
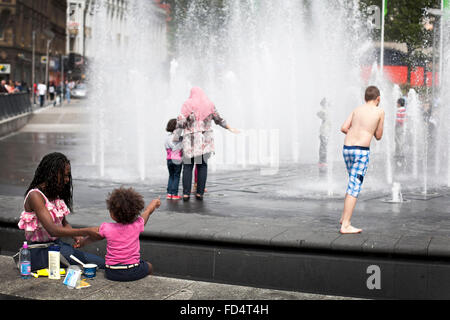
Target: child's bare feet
[{"x": 350, "y": 230}]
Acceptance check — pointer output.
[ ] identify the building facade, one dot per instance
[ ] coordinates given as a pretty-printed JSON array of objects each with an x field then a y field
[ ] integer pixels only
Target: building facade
[
  {"x": 80, "y": 14},
  {"x": 80, "y": 24},
  {"x": 32, "y": 28},
  {"x": 61, "y": 29}
]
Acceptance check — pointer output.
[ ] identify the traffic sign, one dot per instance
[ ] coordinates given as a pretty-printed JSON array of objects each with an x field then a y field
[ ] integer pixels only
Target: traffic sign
[{"x": 5, "y": 68}]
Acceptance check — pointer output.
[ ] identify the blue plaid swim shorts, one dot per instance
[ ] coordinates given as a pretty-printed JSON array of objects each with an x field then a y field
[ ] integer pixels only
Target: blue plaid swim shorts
[{"x": 356, "y": 160}]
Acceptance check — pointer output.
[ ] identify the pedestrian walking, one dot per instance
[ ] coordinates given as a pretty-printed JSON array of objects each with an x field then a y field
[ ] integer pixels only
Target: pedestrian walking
[
  {"x": 42, "y": 90},
  {"x": 194, "y": 123},
  {"x": 51, "y": 92},
  {"x": 67, "y": 91}
]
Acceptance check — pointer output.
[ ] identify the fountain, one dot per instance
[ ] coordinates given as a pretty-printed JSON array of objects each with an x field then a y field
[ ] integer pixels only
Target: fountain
[
  {"x": 266, "y": 65},
  {"x": 397, "y": 196},
  {"x": 445, "y": 101},
  {"x": 261, "y": 67},
  {"x": 129, "y": 88}
]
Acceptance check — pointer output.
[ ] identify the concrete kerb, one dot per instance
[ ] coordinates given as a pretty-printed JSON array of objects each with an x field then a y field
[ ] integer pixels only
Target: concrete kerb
[
  {"x": 13, "y": 287},
  {"x": 15, "y": 123}
]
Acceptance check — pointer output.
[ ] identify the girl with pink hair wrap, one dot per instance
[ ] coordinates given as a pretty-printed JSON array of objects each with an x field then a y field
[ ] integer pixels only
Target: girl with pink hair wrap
[{"x": 194, "y": 123}]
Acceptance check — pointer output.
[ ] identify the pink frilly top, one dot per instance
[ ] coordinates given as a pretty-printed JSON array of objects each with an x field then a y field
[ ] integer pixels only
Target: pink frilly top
[{"x": 34, "y": 231}]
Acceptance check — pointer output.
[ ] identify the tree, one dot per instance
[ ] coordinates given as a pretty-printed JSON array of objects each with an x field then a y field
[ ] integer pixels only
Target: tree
[
  {"x": 404, "y": 23},
  {"x": 178, "y": 10}
]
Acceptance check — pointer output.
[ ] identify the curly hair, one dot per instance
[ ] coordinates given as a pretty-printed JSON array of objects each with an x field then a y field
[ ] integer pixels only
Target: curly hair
[
  {"x": 171, "y": 125},
  {"x": 49, "y": 178},
  {"x": 125, "y": 204}
]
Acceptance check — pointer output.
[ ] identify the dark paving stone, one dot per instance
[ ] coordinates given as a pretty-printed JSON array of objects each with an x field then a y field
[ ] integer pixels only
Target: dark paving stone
[
  {"x": 180, "y": 260},
  {"x": 319, "y": 240},
  {"x": 290, "y": 238},
  {"x": 438, "y": 274},
  {"x": 350, "y": 242},
  {"x": 380, "y": 243},
  {"x": 264, "y": 234},
  {"x": 236, "y": 232},
  {"x": 439, "y": 247},
  {"x": 410, "y": 281},
  {"x": 413, "y": 245},
  {"x": 288, "y": 209}
]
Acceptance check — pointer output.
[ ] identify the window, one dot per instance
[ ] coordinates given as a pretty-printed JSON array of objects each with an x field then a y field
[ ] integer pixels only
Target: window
[{"x": 4, "y": 19}]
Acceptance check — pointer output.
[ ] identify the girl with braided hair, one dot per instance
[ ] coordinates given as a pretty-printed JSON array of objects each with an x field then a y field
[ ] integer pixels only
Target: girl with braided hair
[{"x": 48, "y": 200}]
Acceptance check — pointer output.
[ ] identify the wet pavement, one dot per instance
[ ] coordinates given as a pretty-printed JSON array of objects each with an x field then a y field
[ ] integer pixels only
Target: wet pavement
[
  {"x": 271, "y": 208},
  {"x": 243, "y": 207}
]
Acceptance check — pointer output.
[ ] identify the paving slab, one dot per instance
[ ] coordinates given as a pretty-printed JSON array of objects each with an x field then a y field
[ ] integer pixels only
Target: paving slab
[
  {"x": 12, "y": 286},
  {"x": 413, "y": 245},
  {"x": 288, "y": 210},
  {"x": 380, "y": 243}
]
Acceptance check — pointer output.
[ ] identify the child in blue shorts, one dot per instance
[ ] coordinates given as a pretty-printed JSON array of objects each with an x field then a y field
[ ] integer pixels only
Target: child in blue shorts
[{"x": 363, "y": 123}]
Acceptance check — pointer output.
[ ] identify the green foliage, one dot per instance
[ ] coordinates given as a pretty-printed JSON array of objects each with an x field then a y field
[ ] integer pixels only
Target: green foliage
[
  {"x": 404, "y": 21},
  {"x": 178, "y": 11}
]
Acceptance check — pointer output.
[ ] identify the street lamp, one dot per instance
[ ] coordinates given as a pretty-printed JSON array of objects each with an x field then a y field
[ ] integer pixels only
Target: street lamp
[
  {"x": 50, "y": 36},
  {"x": 436, "y": 13},
  {"x": 32, "y": 68}
]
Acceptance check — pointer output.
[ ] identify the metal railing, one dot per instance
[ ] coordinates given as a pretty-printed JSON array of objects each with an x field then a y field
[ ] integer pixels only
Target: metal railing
[{"x": 14, "y": 104}]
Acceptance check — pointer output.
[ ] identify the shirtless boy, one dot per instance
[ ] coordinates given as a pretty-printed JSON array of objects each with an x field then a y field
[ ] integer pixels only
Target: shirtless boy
[{"x": 363, "y": 123}]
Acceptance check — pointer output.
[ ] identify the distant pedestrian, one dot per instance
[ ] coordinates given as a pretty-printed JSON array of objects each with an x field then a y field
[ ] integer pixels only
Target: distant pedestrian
[
  {"x": 19, "y": 86},
  {"x": 400, "y": 119},
  {"x": 35, "y": 92},
  {"x": 67, "y": 90},
  {"x": 10, "y": 87},
  {"x": 3, "y": 87},
  {"x": 324, "y": 133},
  {"x": 58, "y": 95},
  {"x": 42, "y": 90},
  {"x": 174, "y": 152},
  {"x": 123, "y": 260},
  {"x": 51, "y": 92},
  {"x": 363, "y": 123}
]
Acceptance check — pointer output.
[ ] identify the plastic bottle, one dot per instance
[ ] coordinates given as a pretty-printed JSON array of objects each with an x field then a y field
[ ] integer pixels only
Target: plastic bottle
[
  {"x": 54, "y": 262},
  {"x": 25, "y": 261}
]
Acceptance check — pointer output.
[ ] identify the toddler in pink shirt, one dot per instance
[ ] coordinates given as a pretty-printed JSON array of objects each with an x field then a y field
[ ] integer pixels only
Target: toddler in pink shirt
[{"x": 123, "y": 261}]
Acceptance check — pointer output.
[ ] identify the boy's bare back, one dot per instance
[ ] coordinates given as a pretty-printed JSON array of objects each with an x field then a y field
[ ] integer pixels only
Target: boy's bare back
[{"x": 363, "y": 123}]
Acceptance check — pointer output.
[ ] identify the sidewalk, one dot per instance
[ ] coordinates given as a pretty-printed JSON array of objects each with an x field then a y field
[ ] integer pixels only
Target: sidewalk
[
  {"x": 12, "y": 286},
  {"x": 253, "y": 230},
  {"x": 63, "y": 118}
]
